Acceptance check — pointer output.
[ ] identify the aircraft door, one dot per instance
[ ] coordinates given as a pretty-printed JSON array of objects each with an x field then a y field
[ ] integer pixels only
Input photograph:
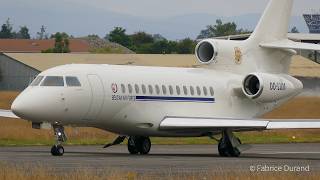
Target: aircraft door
[{"x": 97, "y": 97}]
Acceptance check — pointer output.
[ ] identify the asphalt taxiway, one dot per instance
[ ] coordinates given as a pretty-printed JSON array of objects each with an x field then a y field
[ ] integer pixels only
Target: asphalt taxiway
[{"x": 165, "y": 158}]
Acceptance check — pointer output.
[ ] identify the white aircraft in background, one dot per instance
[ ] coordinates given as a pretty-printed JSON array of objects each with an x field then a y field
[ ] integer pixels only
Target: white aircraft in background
[{"x": 238, "y": 82}]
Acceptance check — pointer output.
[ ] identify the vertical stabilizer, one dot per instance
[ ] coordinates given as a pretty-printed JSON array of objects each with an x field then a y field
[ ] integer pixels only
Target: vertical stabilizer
[{"x": 274, "y": 22}]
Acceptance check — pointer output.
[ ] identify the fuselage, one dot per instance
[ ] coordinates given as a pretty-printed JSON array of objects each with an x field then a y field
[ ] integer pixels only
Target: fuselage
[{"x": 133, "y": 100}]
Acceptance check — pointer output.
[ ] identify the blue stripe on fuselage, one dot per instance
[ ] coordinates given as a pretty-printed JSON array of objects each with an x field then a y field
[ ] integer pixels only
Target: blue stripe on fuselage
[{"x": 175, "y": 99}]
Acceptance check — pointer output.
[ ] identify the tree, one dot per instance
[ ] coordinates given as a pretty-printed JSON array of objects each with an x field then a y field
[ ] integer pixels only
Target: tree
[
  {"x": 93, "y": 36},
  {"x": 161, "y": 47},
  {"x": 158, "y": 37},
  {"x": 141, "y": 38},
  {"x": 118, "y": 35},
  {"x": 42, "y": 34},
  {"x": 294, "y": 30},
  {"x": 186, "y": 46},
  {"x": 164, "y": 47},
  {"x": 61, "y": 44},
  {"x": 23, "y": 33},
  {"x": 6, "y": 30},
  {"x": 220, "y": 29}
]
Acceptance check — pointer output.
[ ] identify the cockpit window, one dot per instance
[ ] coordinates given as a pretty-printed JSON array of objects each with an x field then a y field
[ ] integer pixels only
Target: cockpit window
[
  {"x": 36, "y": 81},
  {"x": 53, "y": 81},
  {"x": 72, "y": 81}
]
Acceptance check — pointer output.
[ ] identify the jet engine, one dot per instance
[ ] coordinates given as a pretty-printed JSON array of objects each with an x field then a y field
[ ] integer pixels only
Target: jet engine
[
  {"x": 206, "y": 51},
  {"x": 264, "y": 87}
]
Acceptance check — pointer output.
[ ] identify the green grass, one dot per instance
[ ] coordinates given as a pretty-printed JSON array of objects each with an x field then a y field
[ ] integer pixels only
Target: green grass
[{"x": 246, "y": 138}]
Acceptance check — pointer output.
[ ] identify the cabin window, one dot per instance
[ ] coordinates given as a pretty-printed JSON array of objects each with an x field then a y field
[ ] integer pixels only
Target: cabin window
[
  {"x": 136, "y": 88},
  {"x": 157, "y": 89},
  {"x": 211, "y": 91},
  {"x": 72, "y": 81},
  {"x": 53, "y": 81},
  {"x": 171, "y": 90},
  {"x": 144, "y": 90},
  {"x": 205, "y": 91},
  {"x": 130, "y": 88},
  {"x": 185, "y": 90},
  {"x": 123, "y": 88},
  {"x": 164, "y": 89},
  {"x": 198, "y": 91},
  {"x": 191, "y": 90},
  {"x": 36, "y": 81},
  {"x": 178, "y": 90},
  {"x": 150, "y": 89}
]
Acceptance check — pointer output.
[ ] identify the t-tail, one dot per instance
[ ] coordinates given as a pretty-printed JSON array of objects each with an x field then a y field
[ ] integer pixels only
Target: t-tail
[
  {"x": 263, "y": 60},
  {"x": 274, "y": 23},
  {"x": 267, "y": 50}
]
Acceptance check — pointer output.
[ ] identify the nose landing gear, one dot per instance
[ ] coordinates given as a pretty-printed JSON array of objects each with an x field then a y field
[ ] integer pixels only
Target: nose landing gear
[{"x": 57, "y": 149}]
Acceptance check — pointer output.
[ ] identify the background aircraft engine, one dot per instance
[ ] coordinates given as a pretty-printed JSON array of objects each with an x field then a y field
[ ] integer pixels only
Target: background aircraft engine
[
  {"x": 206, "y": 51},
  {"x": 264, "y": 87}
]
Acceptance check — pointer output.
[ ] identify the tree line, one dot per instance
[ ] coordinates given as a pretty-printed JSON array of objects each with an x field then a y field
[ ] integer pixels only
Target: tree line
[
  {"x": 139, "y": 42},
  {"x": 144, "y": 43}
]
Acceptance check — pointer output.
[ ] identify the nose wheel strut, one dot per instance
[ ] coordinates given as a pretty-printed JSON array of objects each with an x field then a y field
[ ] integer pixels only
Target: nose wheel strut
[{"x": 57, "y": 149}]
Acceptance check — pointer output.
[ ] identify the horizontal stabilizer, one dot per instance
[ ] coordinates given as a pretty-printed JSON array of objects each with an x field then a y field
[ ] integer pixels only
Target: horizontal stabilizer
[
  {"x": 177, "y": 123},
  {"x": 7, "y": 114},
  {"x": 287, "y": 44}
]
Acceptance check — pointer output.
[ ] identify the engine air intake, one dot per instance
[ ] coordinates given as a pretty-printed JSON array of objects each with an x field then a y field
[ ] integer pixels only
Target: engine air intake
[
  {"x": 206, "y": 52},
  {"x": 252, "y": 85}
]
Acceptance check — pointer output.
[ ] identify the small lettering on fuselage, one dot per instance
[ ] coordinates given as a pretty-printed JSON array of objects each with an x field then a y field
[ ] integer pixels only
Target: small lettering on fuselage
[
  {"x": 123, "y": 98},
  {"x": 278, "y": 86}
]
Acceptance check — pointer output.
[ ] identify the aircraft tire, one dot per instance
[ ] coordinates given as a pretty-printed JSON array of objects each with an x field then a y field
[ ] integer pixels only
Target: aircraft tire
[
  {"x": 57, "y": 150},
  {"x": 132, "y": 145},
  {"x": 144, "y": 145},
  {"x": 227, "y": 150}
]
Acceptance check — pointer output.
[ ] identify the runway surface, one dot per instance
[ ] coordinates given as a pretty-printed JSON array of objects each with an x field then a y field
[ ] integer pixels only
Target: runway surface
[{"x": 165, "y": 158}]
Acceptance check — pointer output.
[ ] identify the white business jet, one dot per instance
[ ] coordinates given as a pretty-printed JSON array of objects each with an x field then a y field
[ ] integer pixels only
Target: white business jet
[{"x": 237, "y": 83}]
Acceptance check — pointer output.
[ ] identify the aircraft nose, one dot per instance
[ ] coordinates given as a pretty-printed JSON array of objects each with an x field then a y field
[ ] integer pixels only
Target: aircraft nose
[{"x": 19, "y": 107}]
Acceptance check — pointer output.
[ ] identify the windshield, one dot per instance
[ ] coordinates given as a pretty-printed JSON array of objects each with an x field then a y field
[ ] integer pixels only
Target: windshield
[
  {"x": 36, "y": 81},
  {"x": 72, "y": 81},
  {"x": 53, "y": 81}
]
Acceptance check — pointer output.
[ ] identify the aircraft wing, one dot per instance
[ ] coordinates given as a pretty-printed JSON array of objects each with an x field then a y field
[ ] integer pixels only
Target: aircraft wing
[
  {"x": 8, "y": 114},
  {"x": 177, "y": 123},
  {"x": 288, "y": 44}
]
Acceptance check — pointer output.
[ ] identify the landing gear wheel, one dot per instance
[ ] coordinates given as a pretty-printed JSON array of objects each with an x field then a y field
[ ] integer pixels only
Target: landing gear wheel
[
  {"x": 145, "y": 145},
  {"x": 57, "y": 150},
  {"x": 132, "y": 148},
  {"x": 140, "y": 145},
  {"x": 223, "y": 150},
  {"x": 226, "y": 148}
]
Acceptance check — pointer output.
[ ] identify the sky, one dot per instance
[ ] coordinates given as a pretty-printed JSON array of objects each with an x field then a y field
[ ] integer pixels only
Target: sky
[
  {"x": 175, "y": 19},
  {"x": 166, "y": 8}
]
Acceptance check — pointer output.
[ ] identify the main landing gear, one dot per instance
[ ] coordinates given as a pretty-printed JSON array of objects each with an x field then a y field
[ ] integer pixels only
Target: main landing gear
[
  {"x": 136, "y": 144},
  {"x": 229, "y": 145},
  {"x": 57, "y": 149}
]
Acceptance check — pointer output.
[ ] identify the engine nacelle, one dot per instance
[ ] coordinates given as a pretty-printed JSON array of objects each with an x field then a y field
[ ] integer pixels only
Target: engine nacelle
[
  {"x": 264, "y": 87},
  {"x": 206, "y": 51}
]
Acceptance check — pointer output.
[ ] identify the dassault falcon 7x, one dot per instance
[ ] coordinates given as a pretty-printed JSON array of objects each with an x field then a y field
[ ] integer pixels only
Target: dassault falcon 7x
[{"x": 237, "y": 82}]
